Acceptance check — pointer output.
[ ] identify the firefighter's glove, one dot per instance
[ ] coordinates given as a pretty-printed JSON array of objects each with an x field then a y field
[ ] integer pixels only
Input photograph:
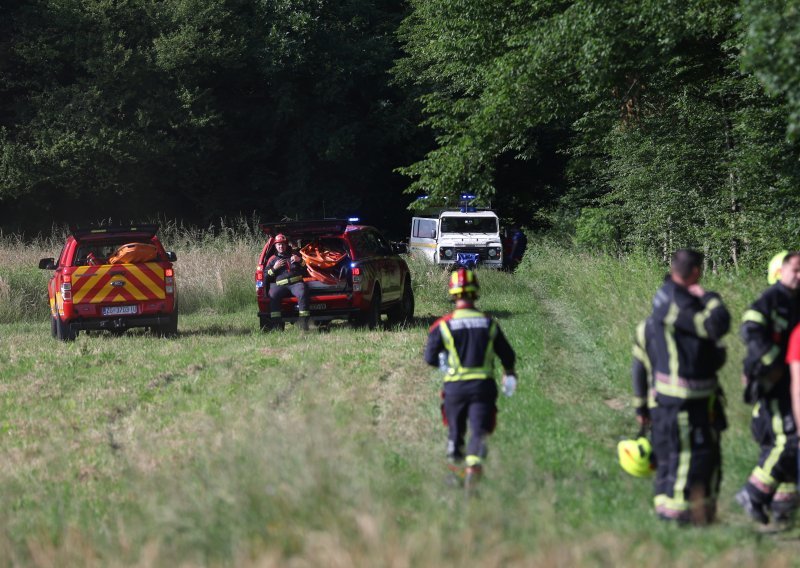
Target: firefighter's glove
[{"x": 509, "y": 384}]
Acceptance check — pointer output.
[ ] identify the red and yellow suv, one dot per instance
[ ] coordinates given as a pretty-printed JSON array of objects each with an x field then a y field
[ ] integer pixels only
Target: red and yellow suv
[
  {"x": 112, "y": 278},
  {"x": 361, "y": 277}
]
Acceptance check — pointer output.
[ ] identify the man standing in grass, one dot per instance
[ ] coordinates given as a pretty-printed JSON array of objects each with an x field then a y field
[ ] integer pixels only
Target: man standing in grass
[
  {"x": 688, "y": 323},
  {"x": 471, "y": 339},
  {"x": 766, "y": 326}
]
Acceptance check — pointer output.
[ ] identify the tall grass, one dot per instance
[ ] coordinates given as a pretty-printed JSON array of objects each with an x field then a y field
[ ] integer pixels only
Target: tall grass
[{"x": 229, "y": 446}]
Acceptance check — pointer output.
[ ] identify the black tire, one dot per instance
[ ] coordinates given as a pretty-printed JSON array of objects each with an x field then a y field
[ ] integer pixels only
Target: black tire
[
  {"x": 373, "y": 316},
  {"x": 64, "y": 331},
  {"x": 403, "y": 313},
  {"x": 169, "y": 329},
  {"x": 53, "y": 326},
  {"x": 266, "y": 324}
]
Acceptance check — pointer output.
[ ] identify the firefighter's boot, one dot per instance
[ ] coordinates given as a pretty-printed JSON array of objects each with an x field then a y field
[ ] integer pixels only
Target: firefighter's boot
[
  {"x": 455, "y": 473},
  {"x": 754, "y": 509},
  {"x": 472, "y": 478}
]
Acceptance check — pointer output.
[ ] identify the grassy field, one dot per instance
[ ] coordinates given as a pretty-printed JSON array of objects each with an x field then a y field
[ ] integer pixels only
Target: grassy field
[{"x": 227, "y": 446}]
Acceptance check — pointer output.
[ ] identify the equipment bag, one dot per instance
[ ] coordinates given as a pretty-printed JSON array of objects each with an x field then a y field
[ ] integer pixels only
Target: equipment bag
[{"x": 133, "y": 253}]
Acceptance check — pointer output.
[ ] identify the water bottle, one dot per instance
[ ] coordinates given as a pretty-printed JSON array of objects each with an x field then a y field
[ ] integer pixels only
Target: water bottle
[
  {"x": 443, "y": 366},
  {"x": 509, "y": 384}
]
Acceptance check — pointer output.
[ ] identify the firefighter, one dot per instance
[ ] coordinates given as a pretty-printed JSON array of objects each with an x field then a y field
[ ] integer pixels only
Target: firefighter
[
  {"x": 688, "y": 323},
  {"x": 766, "y": 325},
  {"x": 470, "y": 340},
  {"x": 285, "y": 270}
]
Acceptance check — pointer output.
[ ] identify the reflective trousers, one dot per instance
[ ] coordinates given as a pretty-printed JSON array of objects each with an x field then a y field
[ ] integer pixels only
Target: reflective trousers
[
  {"x": 686, "y": 443},
  {"x": 277, "y": 293},
  {"x": 470, "y": 403}
]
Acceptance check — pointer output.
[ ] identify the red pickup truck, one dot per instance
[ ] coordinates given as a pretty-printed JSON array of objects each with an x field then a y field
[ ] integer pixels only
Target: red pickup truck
[
  {"x": 112, "y": 278},
  {"x": 362, "y": 277}
]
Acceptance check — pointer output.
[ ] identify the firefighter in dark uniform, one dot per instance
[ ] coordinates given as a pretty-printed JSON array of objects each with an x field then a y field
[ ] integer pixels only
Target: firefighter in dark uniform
[
  {"x": 285, "y": 271},
  {"x": 471, "y": 340},
  {"x": 766, "y": 326},
  {"x": 688, "y": 323}
]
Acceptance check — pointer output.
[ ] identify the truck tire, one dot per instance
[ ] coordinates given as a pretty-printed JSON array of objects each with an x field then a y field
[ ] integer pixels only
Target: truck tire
[
  {"x": 403, "y": 312},
  {"x": 372, "y": 317},
  {"x": 64, "y": 331},
  {"x": 265, "y": 323},
  {"x": 169, "y": 329},
  {"x": 53, "y": 326}
]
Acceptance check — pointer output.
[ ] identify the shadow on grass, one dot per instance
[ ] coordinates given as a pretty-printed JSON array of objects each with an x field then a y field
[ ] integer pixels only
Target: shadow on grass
[{"x": 216, "y": 331}]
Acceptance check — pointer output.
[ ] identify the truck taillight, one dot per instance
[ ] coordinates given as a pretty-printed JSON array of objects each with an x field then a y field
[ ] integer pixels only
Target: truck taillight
[
  {"x": 259, "y": 278},
  {"x": 169, "y": 281},
  {"x": 356, "y": 279},
  {"x": 66, "y": 291}
]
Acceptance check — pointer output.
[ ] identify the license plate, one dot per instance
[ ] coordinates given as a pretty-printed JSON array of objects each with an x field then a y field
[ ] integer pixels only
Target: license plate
[
  {"x": 318, "y": 306},
  {"x": 119, "y": 310}
]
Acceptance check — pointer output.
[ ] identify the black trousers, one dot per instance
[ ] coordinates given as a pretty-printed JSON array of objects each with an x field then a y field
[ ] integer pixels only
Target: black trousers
[
  {"x": 686, "y": 443},
  {"x": 775, "y": 432},
  {"x": 470, "y": 403},
  {"x": 278, "y": 293}
]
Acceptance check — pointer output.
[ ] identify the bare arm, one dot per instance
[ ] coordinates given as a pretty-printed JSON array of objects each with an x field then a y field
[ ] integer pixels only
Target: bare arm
[{"x": 794, "y": 389}]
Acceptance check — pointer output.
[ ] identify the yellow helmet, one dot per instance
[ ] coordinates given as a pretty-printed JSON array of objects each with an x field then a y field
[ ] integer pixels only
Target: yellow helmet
[
  {"x": 635, "y": 456},
  {"x": 774, "y": 270}
]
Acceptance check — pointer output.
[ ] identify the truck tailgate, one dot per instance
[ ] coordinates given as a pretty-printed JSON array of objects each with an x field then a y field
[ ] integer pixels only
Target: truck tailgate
[{"x": 118, "y": 283}]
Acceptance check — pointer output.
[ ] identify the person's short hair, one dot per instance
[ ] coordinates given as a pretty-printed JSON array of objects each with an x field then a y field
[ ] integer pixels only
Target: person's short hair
[
  {"x": 790, "y": 255},
  {"x": 684, "y": 261}
]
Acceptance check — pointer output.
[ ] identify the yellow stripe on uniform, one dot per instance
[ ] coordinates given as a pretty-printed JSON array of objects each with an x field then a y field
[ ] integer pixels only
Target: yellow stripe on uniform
[{"x": 754, "y": 316}]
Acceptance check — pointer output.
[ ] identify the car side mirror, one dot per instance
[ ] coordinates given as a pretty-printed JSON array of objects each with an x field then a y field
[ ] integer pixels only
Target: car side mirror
[
  {"x": 399, "y": 248},
  {"x": 171, "y": 256},
  {"x": 47, "y": 264}
]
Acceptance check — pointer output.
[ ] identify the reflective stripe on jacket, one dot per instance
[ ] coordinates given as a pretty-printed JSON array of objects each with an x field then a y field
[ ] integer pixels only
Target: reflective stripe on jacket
[{"x": 471, "y": 340}]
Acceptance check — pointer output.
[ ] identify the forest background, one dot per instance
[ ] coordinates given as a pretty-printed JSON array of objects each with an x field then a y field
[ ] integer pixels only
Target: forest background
[{"x": 646, "y": 125}]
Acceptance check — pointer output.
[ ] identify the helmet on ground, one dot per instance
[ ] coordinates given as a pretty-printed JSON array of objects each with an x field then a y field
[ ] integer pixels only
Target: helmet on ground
[
  {"x": 463, "y": 282},
  {"x": 635, "y": 456},
  {"x": 774, "y": 270},
  {"x": 281, "y": 238}
]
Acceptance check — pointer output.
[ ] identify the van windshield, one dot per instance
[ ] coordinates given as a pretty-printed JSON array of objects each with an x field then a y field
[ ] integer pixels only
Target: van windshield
[{"x": 485, "y": 224}]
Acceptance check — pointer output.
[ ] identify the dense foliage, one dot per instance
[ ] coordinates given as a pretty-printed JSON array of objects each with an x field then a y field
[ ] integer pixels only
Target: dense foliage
[
  {"x": 200, "y": 108},
  {"x": 669, "y": 132},
  {"x": 647, "y": 124}
]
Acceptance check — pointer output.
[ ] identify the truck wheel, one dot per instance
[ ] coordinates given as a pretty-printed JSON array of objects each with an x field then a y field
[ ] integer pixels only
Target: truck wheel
[
  {"x": 403, "y": 313},
  {"x": 373, "y": 316},
  {"x": 64, "y": 331},
  {"x": 266, "y": 324},
  {"x": 53, "y": 326},
  {"x": 169, "y": 329}
]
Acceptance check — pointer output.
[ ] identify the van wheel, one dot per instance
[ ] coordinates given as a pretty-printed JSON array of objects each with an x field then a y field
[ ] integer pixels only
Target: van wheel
[
  {"x": 403, "y": 313},
  {"x": 64, "y": 331}
]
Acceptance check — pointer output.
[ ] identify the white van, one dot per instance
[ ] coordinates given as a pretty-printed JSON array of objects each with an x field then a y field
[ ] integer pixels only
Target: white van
[{"x": 470, "y": 237}]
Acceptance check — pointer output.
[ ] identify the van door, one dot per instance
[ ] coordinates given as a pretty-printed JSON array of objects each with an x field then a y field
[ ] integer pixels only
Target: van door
[{"x": 423, "y": 237}]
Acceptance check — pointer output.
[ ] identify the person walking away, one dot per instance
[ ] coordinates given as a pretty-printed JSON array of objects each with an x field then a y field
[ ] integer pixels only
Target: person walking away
[
  {"x": 471, "y": 339},
  {"x": 766, "y": 326},
  {"x": 688, "y": 324},
  {"x": 285, "y": 270}
]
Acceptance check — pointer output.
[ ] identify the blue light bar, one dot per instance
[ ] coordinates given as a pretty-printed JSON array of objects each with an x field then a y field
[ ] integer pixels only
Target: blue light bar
[
  {"x": 467, "y": 196},
  {"x": 353, "y": 219}
]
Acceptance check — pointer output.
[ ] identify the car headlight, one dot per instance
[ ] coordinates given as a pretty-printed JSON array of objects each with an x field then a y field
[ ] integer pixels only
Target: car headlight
[
  {"x": 492, "y": 252},
  {"x": 448, "y": 253}
]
